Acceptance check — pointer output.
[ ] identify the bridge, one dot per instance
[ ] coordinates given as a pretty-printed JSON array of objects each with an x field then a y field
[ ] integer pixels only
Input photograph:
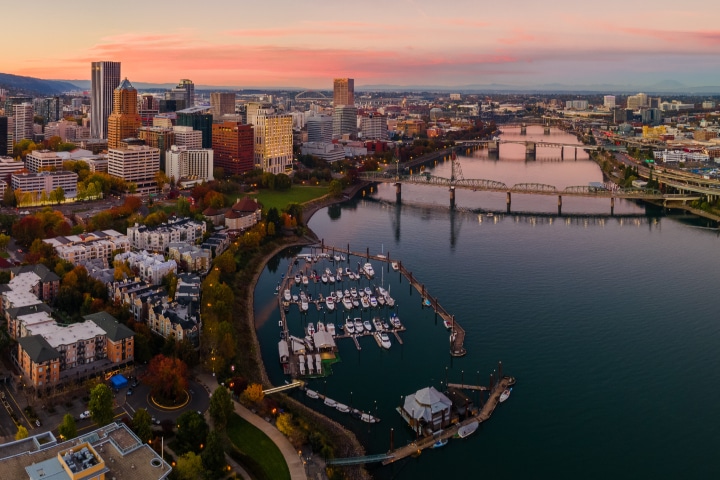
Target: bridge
[
  {"x": 381, "y": 457},
  {"x": 282, "y": 388},
  {"x": 531, "y": 147},
  {"x": 683, "y": 181}
]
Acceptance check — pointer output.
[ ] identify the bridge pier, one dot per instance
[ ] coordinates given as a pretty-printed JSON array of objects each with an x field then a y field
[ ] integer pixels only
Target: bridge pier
[
  {"x": 546, "y": 130},
  {"x": 508, "y": 201},
  {"x": 559, "y": 205},
  {"x": 562, "y": 152},
  {"x": 452, "y": 198},
  {"x": 398, "y": 192},
  {"x": 523, "y": 129},
  {"x": 530, "y": 150},
  {"x": 612, "y": 205},
  {"x": 493, "y": 148},
  {"x": 575, "y": 153}
]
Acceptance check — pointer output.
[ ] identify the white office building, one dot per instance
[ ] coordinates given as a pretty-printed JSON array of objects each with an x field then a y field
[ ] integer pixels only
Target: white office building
[
  {"x": 40, "y": 160},
  {"x": 374, "y": 127},
  {"x": 189, "y": 166},
  {"x": 320, "y": 128},
  {"x": 137, "y": 164},
  {"x": 187, "y": 137}
]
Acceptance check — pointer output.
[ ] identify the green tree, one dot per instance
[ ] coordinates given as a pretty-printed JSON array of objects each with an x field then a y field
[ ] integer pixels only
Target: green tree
[
  {"x": 142, "y": 424},
  {"x": 192, "y": 431},
  {"x": 183, "y": 207},
  {"x": 282, "y": 182},
  {"x": 189, "y": 467},
  {"x": 213, "y": 456},
  {"x": 335, "y": 188},
  {"x": 9, "y": 199},
  {"x": 101, "y": 404},
  {"x": 67, "y": 428},
  {"x": 4, "y": 240},
  {"x": 221, "y": 406},
  {"x": 22, "y": 432}
]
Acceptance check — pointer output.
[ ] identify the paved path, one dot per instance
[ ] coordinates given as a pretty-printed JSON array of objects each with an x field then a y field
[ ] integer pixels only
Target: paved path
[{"x": 294, "y": 462}]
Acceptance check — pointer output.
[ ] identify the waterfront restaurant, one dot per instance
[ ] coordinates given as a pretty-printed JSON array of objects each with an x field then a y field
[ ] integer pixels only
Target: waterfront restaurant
[{"x": 426, "y": 411}]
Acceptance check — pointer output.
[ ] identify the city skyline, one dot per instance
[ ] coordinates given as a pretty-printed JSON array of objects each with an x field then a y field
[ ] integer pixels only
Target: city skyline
[{"x": 412, "y": 42}]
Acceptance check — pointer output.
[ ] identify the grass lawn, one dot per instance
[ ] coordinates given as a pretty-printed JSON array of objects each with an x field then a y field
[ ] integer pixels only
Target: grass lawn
[
  {"x": 255, "y": 445},
  {"x": 280, "y": 200}
]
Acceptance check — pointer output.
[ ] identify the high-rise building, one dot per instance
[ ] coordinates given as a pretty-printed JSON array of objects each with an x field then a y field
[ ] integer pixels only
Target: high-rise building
[
  {"x": 184, "y": 163},
  {"x": 344, "y": 121},
  {"x": 636, "y": 101},
  {"x": 124, "y": 122},
  {"x": 222, "y": 103},
  {"x": 48, "y": 108},
  {"x": 374, "y": 126},
  {"x": 158, "y": 137},
  {"x": 148, "y": 107},
  {"x": 24, "y": 115},
  {"x": 253, "y": 108},
  {"x": 136, "y": 164},
  {"x": 609, "y": 101},
  {"x": 320, "y": 128},
  {"x": 10, "y": 102},
  {"x": 104, "y": 77},
  {"x": 273, "y": 142},
  {"x": 187, "y": 137},
  {"x": 199, "y": 119},
  {"x": 40, "y": 160},
  {"x": 4, "y": 136},
  {"x": 233, "y": 144},
  {"x": 343, "y": 91},
  {"x": 184, "y": 91}
]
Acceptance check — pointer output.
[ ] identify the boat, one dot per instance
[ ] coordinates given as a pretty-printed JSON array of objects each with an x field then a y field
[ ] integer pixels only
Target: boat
[
  {"x": 390, "y": 301},
  {"x": 490, "y": 214},
  {"x": 347, "y": 302},
  {"x": 339, "y": 294},
  {"x": 358, "y": 325},
  {"x": 367, "y": 418},
  {"x": 330, "y": 303},
  {"x": 330, "y": 327},
  {"x": 353, "y": 292},
  {"x": 426, "y": 302},
  {"x": 304, "y": 305},
  {"x": 336, "y": 258},
  {"x": 380, "y": 300},
  {"x": 311, "y": 393},
  {"x": 384, "y": 340},
  {"x": 368, "y": 269},
  {"x": 341, "y": 407},
  {"x": 468, "y": 429},
  {"x": 365, "y": 302},
  {"x": 324, "y": 278},
  {"x": 448, "y": 324},
  {"x": 395, "y": 266},
  {"x": 381, "y": 292},
  {"x": 305, "y": 280},
  {"x": 368, "y": 291},
  {"x": 277, "y": 288},
  {"x": 286, "y": 295},
  {"x": 330, "y": 402},
  {"x": 355, "y": 303},
  {"x": 310, "y": 328},
  {"x": 320, "y": 327},
  {"x": 377, "y": 323},
  {"x": 505, "y": 394},
  {"x": 385, "y": 326},
  {"x": 395, "y": 320},
  {"x": 295, "y": 298},
  {"x": 367, "y": 325},
  {"x": 342, "y": 257},
  {"x": 286, "y": 306},
  {"x": 298, "y": 278},
  {"x": 373, "y": 301},
  {"x": 339, "y": 273},
  {"x": 440, "y": 443},
  {"x": 331, "y": 278},
  {"x": 349, "y": 326}
]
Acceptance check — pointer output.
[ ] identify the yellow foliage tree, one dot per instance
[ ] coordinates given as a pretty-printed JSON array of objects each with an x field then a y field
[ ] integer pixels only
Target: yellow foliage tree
[
  {"x": 253, "y": 393},
  {"x": 21, "y": 433}
]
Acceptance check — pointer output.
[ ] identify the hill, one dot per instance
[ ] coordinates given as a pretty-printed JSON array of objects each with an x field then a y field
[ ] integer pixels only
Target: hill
[{"x": 31, "y": 85}]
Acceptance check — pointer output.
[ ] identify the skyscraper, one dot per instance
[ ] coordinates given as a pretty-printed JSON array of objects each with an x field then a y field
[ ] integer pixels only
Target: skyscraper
[
  {"x": 273, "y": 142},
  {"x": 343, "y": 91},
  {"x": 124, "y": 121},
  {"x": 199, "y": 119},
  {"x": 184, "y": 91},
  {"x": 105, "y": 76},
  {"x": 23, "y": 114},
  {"x": 233, "y": 144},
  {"x": 3, "y": 136},
  {"x": 222, "y": 103},
  {"x": 320, "y": 128},
  {"x": 344, "y": 121}
]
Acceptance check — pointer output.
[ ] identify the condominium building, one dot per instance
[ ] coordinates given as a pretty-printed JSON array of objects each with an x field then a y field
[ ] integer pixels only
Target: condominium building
[
  {"x": 104, "y": 77},
  {"x": 187, "y": 137},
  {"x": 40, "y": 160},
  {"x": 252, "y": 110},
  {"x": 23, "y": 122},
  {"x": 343, "y": 91},
  {"x": 195, "y": 259},
  {"x": 609, "y": 101},
  {"x": 157, "y": 239},
  {"x": 634, "y": 102},
  {"x": 158, "y": 137},
  {"x": 345, "y": 121},
  {"x": 148, "y": 108},
  {"x": 188, "y": 166},
  {"x": 67, "y": 130},
  {"x": 273, "y": 142},
  {"x": 137, "y": 164},
  {"x": 234, "y": 147},
  {"x": 151, "y": 267},
  {"x": 374, "y": 126},
  {"x": 78, "y": 249},
  {"x": 222, "y": 103},
  {"x": 124, "y": 121},
  {"x": 9, "y": 165},
  {"x": 320, "y": 128},
  {"x": 38, "y": 183}
]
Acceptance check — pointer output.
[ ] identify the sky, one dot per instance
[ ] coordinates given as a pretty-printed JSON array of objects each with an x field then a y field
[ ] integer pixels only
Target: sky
[{"x": 306, "y": 43}]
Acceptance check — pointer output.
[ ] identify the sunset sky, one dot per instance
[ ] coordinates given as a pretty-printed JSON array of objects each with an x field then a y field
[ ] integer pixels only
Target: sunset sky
[{"x": 402, "y": 42}]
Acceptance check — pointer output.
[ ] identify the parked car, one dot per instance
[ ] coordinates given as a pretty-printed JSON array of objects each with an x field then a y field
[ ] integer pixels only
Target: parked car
[
  {"x": 129, "y": 391},
  {"x": 85, "y": 414}
]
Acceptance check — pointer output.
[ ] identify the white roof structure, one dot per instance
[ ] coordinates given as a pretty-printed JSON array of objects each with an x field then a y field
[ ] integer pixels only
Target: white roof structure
[
  {"x": 426, "y": 403},
  {"x": 57, "y": 335},
  {"x": 323, "y": 340}
]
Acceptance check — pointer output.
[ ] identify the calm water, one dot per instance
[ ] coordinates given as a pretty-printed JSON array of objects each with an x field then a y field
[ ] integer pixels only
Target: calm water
[{"x": 609, "y": 325}]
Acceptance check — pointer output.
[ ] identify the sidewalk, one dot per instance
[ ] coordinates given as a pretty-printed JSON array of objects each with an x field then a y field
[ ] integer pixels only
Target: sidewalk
[{"x": 294, "y": 462}]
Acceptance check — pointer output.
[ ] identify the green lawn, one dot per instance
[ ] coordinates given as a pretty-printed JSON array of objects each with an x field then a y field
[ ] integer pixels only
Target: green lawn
[
  {"x": 280, "y": 200},
  {"x": 259, "y": 454}
]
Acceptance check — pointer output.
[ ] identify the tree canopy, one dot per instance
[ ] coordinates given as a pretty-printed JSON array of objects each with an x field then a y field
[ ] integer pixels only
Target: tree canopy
[{"x": 101, "y": 404}]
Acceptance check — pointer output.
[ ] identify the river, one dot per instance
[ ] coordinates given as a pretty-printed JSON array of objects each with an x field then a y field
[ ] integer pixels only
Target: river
[{"x": 608, "y": 324}]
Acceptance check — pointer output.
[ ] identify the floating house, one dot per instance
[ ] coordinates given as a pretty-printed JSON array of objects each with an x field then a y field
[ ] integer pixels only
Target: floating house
[{"x": 427, "y": 411}]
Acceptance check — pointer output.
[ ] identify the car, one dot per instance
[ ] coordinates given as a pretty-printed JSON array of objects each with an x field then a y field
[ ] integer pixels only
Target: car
[
  {"x": 37, "y": 423},
  {"x": 134, "y": 383},
  {"x": 155, "y": 421},
  {"x": 85, "y": 414},
  {"x": 129, "y": 391}
]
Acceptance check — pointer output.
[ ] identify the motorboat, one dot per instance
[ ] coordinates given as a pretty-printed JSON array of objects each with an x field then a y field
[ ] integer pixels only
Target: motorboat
[
  {"x": 330, "y": 327},
  {"x": 377, "y": 323},
  {"x": 505, "y": 394},
  {"x": 358, "y": 325},
  {"x": 385, "y": 326},
  {"x": 311, "y": 393},
  {"x": 328, "y": 271},
  {"x": 365, "y": 302},
  {"x": 368, "y": 269},
  {"x": 331, "y": 278},
  {"x": 311, "y": 328},
  {"x": 380, "y": 300},
  {"x": 367, "y": 325},
  {"x": 448, "y": 324},
  {"x": 347, "y": 302},
  {"x": 320, "y": 327},
  {"x": 385, "y": 340},
  {"x": 353, "y": 292},
  {"x": 305, "y": 280},
  {"x": 367, "y": 418},
  {"x": 395, "y": 320},
  {"x": 341, "y": 407},
  {"x": 298, "y": 278},
  {"x": 381, "y": 292},
  {"x": 324, "y": 278},
  {"x": 373, "y": 301},
  {"x": 342, "y": 257},
  {"x": 286, "y": 306},
  {"x": 339, "y": 294},
  {"x": 395, "y": 266},
  {"x": 304, "y": 305},
  {"x": 389, "y": 301},
  {"x": 295, "y": 298},
  {"x": 339, "y": 273},
  {"x": 468, "y": 429},
  {"x": 286, "y": 295},
  {"x": 336, "y": 258},
  {"x": 440, "y": 443},
  {"x": 355, "y": 303},
  {"x": 349, "y": 326},
  {"x": 368, "y": 291},
  {"x": 330, "y": 303},
  {"x": 330, "y": 402}
]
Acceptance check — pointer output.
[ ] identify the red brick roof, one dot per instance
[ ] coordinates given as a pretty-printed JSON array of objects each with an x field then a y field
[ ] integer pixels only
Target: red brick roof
[{"x": 245, "y": 205}]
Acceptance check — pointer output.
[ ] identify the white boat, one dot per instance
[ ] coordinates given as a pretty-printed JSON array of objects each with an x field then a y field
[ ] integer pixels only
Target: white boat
[
  {"x": 339, "y": 273},
  {"x": 395, "y": 320},
  {"x": 505, "y": 394},
  {"x": 368, "y": 291},
  {"x": 341, "y": 407},
  {"x": 298, "y": 278},
  {"x": 440, "y": 443},
  {"x": 468, "y": 429},
  {"x": 355, "y": 303},
  {"x": 390, "y": 301},
  {"x": 365, "y": 302},
  {"x": 331, "y": 278},
  {"x": 381, "y": 292},
  {"x": 310, "y": 329},
  {"x": 336, "y": 258},
  {"x": 368, "y": 269},
  {"x": 347, "y": 302},
  {"x": 304, "y": 305},
  {"x": 330, "y": 402},
  {"x": 295, "y": 298},
  {"x": 377, "y": 323},
  {"x": 373, "y": 301},
  {"x": 448, "y": 324},
  {"x": 353, "y": 292},
  {"x": 330, "y": 303},
  {"x": 395, "y": 266},
  {"x": 305, "y": 280},
  {"x": 367, "y": 325},
  {"x": 339, "y": 294},
  {"x": 286, "y": 295},
  {"x": 349, "y": 326},
  {"x": 342, "y": 257},
  {"x": 367, "y": 418},
  {"x": 380, "y": 300},
  {"x": 320, "y": 327},
  {"x": 311, "y": 393},
  {"x": 324, "y": 278},
  {"x": 385, "y": 326},
  {"x": 301, "y": 359},
  {"x": 328, "y": 271},
  {"x": 348, "y": 273},
  {"x": 358, "y": 325},
  {"x": 330, "y": 327},
  {"x": 385, "y": 340}
]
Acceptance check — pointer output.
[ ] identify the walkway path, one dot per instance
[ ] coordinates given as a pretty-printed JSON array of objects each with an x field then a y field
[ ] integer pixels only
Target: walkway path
[{"x": 294, "y": 462}]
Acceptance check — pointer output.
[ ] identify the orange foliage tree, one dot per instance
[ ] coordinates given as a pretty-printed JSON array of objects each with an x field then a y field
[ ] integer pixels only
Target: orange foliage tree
[{"x": 167, "y": 378}]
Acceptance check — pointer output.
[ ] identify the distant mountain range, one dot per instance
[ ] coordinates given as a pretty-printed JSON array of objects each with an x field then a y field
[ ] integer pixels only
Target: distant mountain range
[{"x": 30, "y": 85}]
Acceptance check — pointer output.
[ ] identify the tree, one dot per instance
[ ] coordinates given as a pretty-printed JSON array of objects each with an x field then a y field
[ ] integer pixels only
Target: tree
[
  {"x": 167, "y": 378},
  {"x": 183, "y": 207},
  {"x": 282, "y": 182},
  {"x": 221, "y": 407},
  {"x": 142, "y": 424},
  {"x": 22, "y": 432},
  {"x": 287, "y": 426},
  {"x": 101, "y": 404},
  {"x": 161, "y": 178},
  {"x": 226, "y": 263},
  {"x": 189, "y": 467},
  {"x": 253, "y": 393},
  {"x": 335, "y": 188},
  {"x": 67, "y": 428},
  {"x": 192, "y": 431},
  {"x": 4, "y": 240},
  {"x": 9, "y": 197},
  {"x": 213, "y": 456}
]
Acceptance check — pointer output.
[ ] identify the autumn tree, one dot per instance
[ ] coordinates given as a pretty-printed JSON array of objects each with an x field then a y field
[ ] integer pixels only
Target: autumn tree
[
  {"x": 253, "y": 394},
  {"x": 189, "y": 467},
  {"x": 22, "y": 432},
  {"x": 226, "y": 263},
  {"x": 221, "y": 407},
  {"x": 192, "y": 431},
  {"x": 4, "y": 241},
  {"x": 167, "y": 378},
  {"x": 101, "y": 404},
  {"x": 287, "y": 426},
  {"x": 142, "y": 424},
  {"x": 162, "y": 179},
  {"x": 68, "y": 428}
]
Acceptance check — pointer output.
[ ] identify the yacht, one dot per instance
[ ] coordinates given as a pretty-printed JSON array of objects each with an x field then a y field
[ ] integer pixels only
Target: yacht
[
  {"x": 311, "y": 393},
  {"x": 286, "y": 295},
  {"x": 368, "y": 269},
  {"x": 324, "y": 278},
  {"x": 377, "y": 323},
  {"x": 349, "y": 326},
  {"x": 331, "y": 278},
  {"x": 310, "y": 329},
  {"x": 468, "y": 429},
  {"x": 395, "y": 321},
  {"x": 380, "y": 300},
  {"x": 368, "y": 291},
  {"x": 329, "y": 402},
  {"x": 448, "y": 324},
  {"x": 295, "y": 298},
  {"x": 304, "y": 305},
  {"x": 367, "y": 325},
  {"x": 381, "y": 292},
  {"x": 358, "y": 325},
  {"x": 336, "y": 258},
  {"x": 330, "y": 327},
  {"x": 390, "y": 301},
  {"x": 320, "y": 327},
  {"x": 373, "y": 301},
  {"x": 330, "y": 303},
  {"x": 355, "y": 303},
  {"x": 349, "y": 273},
  {"x": 347, "y": 302},
  {"x": 395, "y": 266},
  {"x": 339, "y": 294},
  {"x": 298, "y": 278},
  {"x": 365, "y": 302},
  {"x": 341, "y": 407},
  {"x": 384, "y": 340},
  {"x": 305, "y": 280},
  {"x": 505, "y": 394}
]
